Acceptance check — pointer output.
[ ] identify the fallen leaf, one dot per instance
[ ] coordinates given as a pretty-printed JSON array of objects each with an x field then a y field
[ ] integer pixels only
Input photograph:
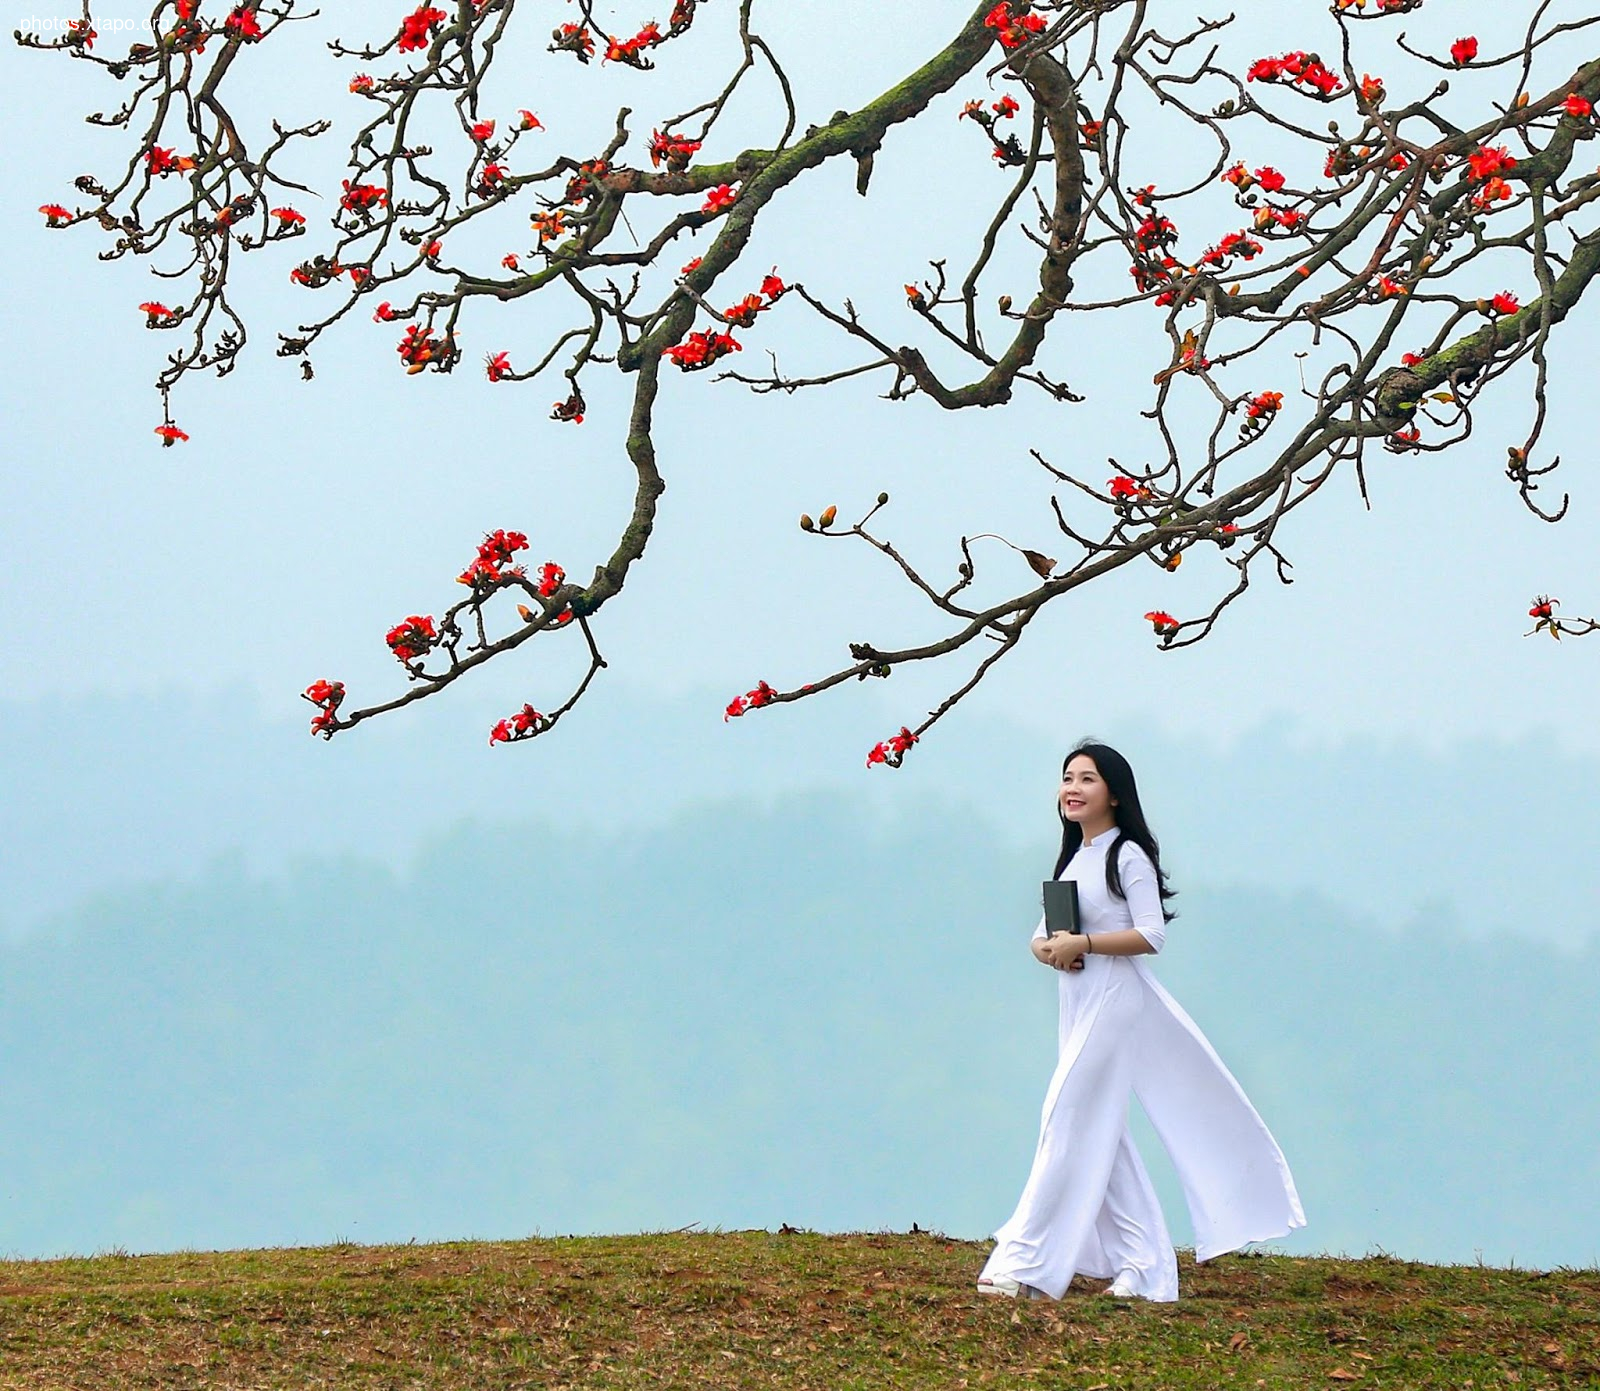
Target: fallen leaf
[
  {"x": 1238, "y": 1341},
  {"x": 1364, "y": 1356},
  {"x": 1343, "y": 1374},
  {"x": 1042, "y": 564}
]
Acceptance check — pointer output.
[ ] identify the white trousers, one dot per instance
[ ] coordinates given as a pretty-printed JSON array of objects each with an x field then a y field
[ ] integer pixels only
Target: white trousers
[{"x": 1088, "y": 1206}]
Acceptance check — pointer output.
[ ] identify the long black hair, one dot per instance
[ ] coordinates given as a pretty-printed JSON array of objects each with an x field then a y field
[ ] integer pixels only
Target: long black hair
[{"x": 1131, "y": 825}]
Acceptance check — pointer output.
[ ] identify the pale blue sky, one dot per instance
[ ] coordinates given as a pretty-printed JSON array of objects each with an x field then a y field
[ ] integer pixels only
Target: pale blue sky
[{"x": 167, "y": 606}]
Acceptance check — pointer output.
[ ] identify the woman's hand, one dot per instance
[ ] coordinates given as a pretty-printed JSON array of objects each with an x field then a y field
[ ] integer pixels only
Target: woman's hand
[{"x": 1063, "y": 950}]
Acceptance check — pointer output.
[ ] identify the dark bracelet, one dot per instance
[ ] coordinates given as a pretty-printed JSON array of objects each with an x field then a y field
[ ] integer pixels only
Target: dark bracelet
[{"x": 1088, "y": 945}]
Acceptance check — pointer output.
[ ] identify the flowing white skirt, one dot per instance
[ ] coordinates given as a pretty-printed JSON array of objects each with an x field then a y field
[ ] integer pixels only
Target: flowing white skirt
[{"x": 1088, "y": 1206}]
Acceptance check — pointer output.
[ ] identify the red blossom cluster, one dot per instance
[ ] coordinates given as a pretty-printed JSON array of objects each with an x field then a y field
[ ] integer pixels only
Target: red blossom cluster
[
  {"x": 523, "y": 725},
  {"x": 157, "y": 315},
  {"x": 1484, "y": 166},
  {"x": 1124, "y": 488},
  {"x": 1013, "y": 30},
  {"x": 161, "y": 162},
  {"x": 360, "y": 197},
  {"x": 1007, "y": 150},
  {"x": 549, "y": 225},
  {"x": 701, "y": 349},
  {"x": 1297, "y": 69},
  {"x": 490, "y": 178},
  {"x": 327, "y": 697},
  {"x": 675, "y": 151},
  {"x": 1270, "y": 179},
  {"x": 420, "y": 349},
  {"x": 489, "y": 569},
  {"x": 1234, "y": 244},
  {"x": 416, "y": 29},
  {"x": 1258, "y": 413},
  {"x": 752, "y": 700},
  {"x": 242, "y": 21},
  {"x": 574, "y": 39},
  {"x": 585, "y": 183},
  {"x": 412, "y": 637},
  {"x": 319, "y": 271},
  {"x": 631, "y": 51},
  {"x": 1268, "y": 217},
  {"x": 893, "y": 750},
  {"x": 551, "y": 578}
]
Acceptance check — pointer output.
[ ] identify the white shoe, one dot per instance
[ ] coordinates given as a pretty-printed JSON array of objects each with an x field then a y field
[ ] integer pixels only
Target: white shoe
[
  {"x": 1121, "y": 1288},
  {"x": 1012, "y": 1289}
]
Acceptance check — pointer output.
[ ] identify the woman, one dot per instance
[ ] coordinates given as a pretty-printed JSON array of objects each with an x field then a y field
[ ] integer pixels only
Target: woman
[{"x": 1088, "y": 1206}]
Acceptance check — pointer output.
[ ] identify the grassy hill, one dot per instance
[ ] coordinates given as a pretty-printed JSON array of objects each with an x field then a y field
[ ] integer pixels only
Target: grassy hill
[{"x": 762, "y": 1309}]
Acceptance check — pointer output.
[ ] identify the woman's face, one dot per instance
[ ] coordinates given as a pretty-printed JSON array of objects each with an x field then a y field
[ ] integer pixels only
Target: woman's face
[{"x": 1085, "y": 798}]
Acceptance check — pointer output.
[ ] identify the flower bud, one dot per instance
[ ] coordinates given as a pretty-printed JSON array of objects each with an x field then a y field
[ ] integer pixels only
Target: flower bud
[
  {"x": 806, "y": 524},
  {"x": 826, "y": 519},
  {"x": 883, "y": 499}
]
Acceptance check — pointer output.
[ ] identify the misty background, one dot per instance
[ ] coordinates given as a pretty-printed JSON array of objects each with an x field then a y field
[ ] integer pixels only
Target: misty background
[{"x": 656, "y": 968}]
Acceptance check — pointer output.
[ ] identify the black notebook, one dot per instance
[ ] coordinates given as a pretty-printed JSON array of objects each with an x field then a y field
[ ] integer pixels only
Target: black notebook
[{"x": 1060, "y": 906}]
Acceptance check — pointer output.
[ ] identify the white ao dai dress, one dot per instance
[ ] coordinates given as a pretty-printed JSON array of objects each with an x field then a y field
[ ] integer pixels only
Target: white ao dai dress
[{"x": 1088, "y": 1206}]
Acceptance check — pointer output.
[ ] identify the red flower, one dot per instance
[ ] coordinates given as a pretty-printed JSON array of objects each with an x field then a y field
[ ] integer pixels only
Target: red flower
[
  {"x": 1577, "y": 105},
  {"x": 56, "y": 215},
  {"x": 1269, "y": 178},
  {"x": 486, "y": 570},
  {"x": 159, "y": 316},
  {"x": 1387, "y": 287},
  {"x": 1371, "y": 88},
  {"x": 431, "y": 251},
  {"x": 1013, "y": 30},
  {"x": 529, "y": 121},
  {"x": 244, "y": 23},
  {"x": 691, "y": 267},
  {"x": 509, "y": 260},
  {"x": 734, "y": 710},
  {"x": 1006, "y": 107},
  {"x": 483, "y": 131},
  {"x": 1410, "y": 359},
  {"x": 1124, "y": 487},
  {"x": 1543, "y": 607},
  {"x": 1504, "y": 303},
  {"x": 1489, "y": 160},
  {"x": 412, "y": 637},
  {"x": 383, "y": 312},
  {"x": 743, "y": 314},
  {"x": 288, "y": 216},
  {"x": 914, "y": 296},
  {"x": 675, "y": 150},
  {"x": 1267, "y": 403},
  {"x": 361, "y": 83},
  {"x": 773, "y": 288},
  {"x": 701, "y": 349},
  {"x": 1464, "y": 50},
  {"x": 551, "y": 578},
  {"x": 498, "y": 365},
  {"x": 718, "y": 198},
  {"x": 1164, "y": 623},
  {"x": 892, "y": 751},
  {"x": 162, "y": 161},
  {"x": 361, "y": 196},
  {"x": 1494, "y": 190},
  {"x": 417, "y": 27},
  {"x": 170, "y": 435},
  {"x": 574, "y": 39}
]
